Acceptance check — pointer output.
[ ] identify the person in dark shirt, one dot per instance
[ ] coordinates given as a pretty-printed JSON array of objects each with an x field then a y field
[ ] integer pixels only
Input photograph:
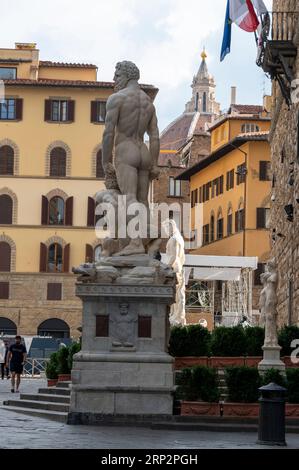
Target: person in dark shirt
[{"x": 16, "y": 359}]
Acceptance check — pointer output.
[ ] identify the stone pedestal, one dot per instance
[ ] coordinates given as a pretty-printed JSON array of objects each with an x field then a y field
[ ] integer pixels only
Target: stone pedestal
[
  {"x": 124, "y": 367},
  {"x": 271, "y": 359}
]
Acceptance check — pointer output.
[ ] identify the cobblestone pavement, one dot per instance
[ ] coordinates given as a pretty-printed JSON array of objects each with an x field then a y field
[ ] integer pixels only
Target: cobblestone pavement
[{"x": 25, "y": 432}]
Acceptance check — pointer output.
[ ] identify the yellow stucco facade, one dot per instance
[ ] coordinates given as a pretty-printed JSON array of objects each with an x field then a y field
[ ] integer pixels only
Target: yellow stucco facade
[{"x": 31, "y": 137}]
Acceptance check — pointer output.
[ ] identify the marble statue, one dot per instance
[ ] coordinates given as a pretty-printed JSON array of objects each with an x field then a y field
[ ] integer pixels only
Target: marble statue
[
  {"x": 268, "y": 303},
  {"x": 175, "y": 252},
  {"x": 128, "y": 163}
]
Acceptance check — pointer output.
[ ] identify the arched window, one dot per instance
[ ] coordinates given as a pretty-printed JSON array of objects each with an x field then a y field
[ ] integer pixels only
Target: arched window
[
  {"x": 56, "y": 211},
  {"x": 55, "y": 258},
  {"x": 6, "y": 160},
  {"x": 249, "y": 127},
  {"x": 212, "y": 228},
  {"x": 7, "y": 327},
  {"x": 204, "y": 102},
  {"x": 58, "y": 162},
  {"x": 219, "y": 225},
  {"x": 99, "y": 165},
  {"x": 229, "y": 222},
  {"x": 196, "y": 102},
  {"x": 55, "y": 328},
  {"x": 5, "y": 257},
  {"x": 6, "y": 208}
]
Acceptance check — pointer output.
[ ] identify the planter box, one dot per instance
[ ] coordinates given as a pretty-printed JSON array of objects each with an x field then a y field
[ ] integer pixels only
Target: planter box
[
  {"x": 241, "y": 410},
  {"x": 64, "y": 377},
  {"x": 252, "y": 361},
  {"x": 288, "y": 362},
  {"x": 183, "y": 362},
  {"x": 52, "y": 382},
  {"x": 292, "y": 410},
  {"x": 221, "y": 362},
  {"x": 197, "y": 408}
]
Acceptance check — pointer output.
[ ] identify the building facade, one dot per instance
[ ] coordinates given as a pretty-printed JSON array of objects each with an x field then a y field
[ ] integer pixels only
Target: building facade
[
  {"x": 230, "y": 189},
  {"x": 185, "y": 142},
  {"x": 284, "y": 141},
  {"x": 51, "y": 125}
]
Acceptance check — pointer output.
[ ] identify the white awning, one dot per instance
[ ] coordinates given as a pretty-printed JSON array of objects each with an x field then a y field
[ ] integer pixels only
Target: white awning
[{"x": 217, "y": 274}]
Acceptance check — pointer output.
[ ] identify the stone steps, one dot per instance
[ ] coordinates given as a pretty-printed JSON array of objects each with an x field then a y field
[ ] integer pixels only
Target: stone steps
[
  {"x": 55, "y": 391},
  {"x": 53, "y": 415},
  {"x": 37, "y": 404},
  {"x": 63, "y": 385},
  {"x": 45, "y": 397}
]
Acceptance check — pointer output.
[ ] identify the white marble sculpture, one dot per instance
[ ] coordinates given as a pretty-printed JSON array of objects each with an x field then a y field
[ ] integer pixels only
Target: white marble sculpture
[
  {"x": 268, "y": 303},
  {"x": 175, "y": 252}
]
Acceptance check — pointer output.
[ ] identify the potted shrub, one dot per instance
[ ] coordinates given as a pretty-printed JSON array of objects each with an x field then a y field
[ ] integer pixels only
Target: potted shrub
[
  {"x": 63, "y": 369},
  {"x": 254, "y": 338},
  {"x": 73, "y": 349},
  {"x": 228, "y": 346},
  {"x": 190, "y": 346},
  {"x": 242, "y": 385},
  {"x": 51, "y": 370}
]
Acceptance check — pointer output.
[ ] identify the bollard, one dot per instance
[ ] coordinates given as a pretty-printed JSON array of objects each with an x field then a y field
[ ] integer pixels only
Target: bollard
[{"x": 272, "y": 415}]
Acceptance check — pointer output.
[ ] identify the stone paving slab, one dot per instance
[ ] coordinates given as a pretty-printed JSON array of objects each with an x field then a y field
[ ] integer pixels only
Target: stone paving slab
[{"x": 26, "y": 432}]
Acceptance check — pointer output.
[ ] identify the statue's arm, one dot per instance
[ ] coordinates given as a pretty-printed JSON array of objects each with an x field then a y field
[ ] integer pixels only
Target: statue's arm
[
  {"x": 154, "y": 140},
  {"x": 112, "y": 114}
]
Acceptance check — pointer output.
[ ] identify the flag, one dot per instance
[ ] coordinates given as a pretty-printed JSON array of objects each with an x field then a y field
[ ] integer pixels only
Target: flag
[
  {"x": 260, "y": 7},
  {"x": 227, "y": 35},
  {"x": 243, "y": 14}
]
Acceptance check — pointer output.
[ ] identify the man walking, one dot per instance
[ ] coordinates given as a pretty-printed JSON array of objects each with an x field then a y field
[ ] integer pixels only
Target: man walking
[{"x": 16, "y": 359}]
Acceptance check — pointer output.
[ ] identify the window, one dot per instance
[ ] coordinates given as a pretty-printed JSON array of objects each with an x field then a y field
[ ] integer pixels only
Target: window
[
  {"x": 8, "y": 109},
  {"x": 6, "y": 208},
  {"x": 230, "y": 180},
  {"x": 58, "y": 162},
  {"x": 249, "y": 128},
  {"x": 54, "y": 327},
  {"x": 205, "y": 234},
  {"x": 8, "y": 73},
  {"x": 7, "y": 327},
  {"x": 262, "y": 217},
  {"x": 4, "y": 291},
  {"x": 6, "y": 160},
  {"x": 240, "y": 220},
  {"x": 212, "y": 231},
  {"x": 219, "y": 229},
  {"x": 99, "y": 165},
  {"x": 5, "y": 257},
  {"x": 214, "y": 186},
  {"x": 54, "y": 291},
  {"x": 257, "y": 274},
  {"x": 55, "y": 258},
  {"x": 196, "y": 102},
  {"x": 98, "y": 111},
  {"x": 56, "y": 211},
  {"x": 59, "y": 110},
  {"x": 229, "y": 223},
  {"x": 174, "y": 187},
  {"x": 200, "y": 195},
  {"x": 204, "y": 102},
  {"x": 241, "y": 173},
  {"x": 206, "y": 192},
  {"x": 265, "y": 171}
]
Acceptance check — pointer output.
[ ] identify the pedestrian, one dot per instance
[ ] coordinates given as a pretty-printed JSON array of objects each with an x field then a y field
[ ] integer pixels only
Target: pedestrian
[
  {"x": 5, "y": 360},
  {"x": 2, "y": 358},
  {"x": 15, "y": 359}
]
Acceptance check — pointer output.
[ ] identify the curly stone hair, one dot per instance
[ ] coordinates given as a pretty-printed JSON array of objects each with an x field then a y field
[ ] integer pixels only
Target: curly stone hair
[{"x": 130, "y": 69}]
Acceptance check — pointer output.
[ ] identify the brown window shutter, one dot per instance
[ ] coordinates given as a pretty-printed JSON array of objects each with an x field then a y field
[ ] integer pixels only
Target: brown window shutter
[
  {"x": 221, "y": 184},
  {"x": 260, "y": 217},
  {"x": 19, "y": 109},
  {"x": 144, "y": 327},
  {"x": 232, "y": 179},
  {"x": 88, "y": 254},
  {"x": 227, "y": 181},
  {"x": 6, "y": 208},
  {"x": 48, "y": 110},
  {"x": 43, "y": 258},
  {"x": 91, "y": 212},
  {"x": 71, "y": 110},
  {"x": 69, "y": 211},
  {"x": 4, "y": 290},
  {"x": 66, "y": 258},
  {"x": 102, "y": 326},
  {"x": 93, "y": 111},
  {"x": 237, "y": 222},
  {"x": 54, "y": 290},
  {"x": 45, "y": 211}
]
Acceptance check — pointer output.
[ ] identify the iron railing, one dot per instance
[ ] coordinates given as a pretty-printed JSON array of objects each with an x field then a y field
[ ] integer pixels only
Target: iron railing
[{"x": 35, "y": 367}]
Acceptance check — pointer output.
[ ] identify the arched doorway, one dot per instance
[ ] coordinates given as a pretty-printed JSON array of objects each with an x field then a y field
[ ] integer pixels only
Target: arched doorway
[
  {"x": 54, "y": 327},
  {"x": 7, "y": 327}
]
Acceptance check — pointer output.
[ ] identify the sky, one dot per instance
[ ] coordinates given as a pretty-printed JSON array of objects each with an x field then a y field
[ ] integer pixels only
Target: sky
[{"x": 163, "y": 37}]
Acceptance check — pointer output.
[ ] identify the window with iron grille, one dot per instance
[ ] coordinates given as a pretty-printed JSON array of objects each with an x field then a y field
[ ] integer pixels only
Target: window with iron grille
[
  {"x": 241, "y": 174},
  {"x": 58, "y": 162},
  {"x": 6, "y": 160}
]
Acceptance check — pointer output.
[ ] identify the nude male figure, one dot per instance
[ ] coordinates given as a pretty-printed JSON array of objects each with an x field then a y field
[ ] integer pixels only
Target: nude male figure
[{"x": 131, "y": 114}]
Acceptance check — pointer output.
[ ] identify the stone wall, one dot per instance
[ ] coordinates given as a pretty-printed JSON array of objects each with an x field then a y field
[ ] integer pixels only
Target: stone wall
[
  {"x": 28, "y": 306},
  {"x": 284, "y": 146}
]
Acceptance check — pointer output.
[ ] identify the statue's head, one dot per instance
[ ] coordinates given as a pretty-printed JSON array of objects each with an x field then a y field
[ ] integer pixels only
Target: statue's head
[
  {"x": 124, "y": 72},
  {"x": 272, "y": 265},
  {"x": 124, "y": 309}
]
